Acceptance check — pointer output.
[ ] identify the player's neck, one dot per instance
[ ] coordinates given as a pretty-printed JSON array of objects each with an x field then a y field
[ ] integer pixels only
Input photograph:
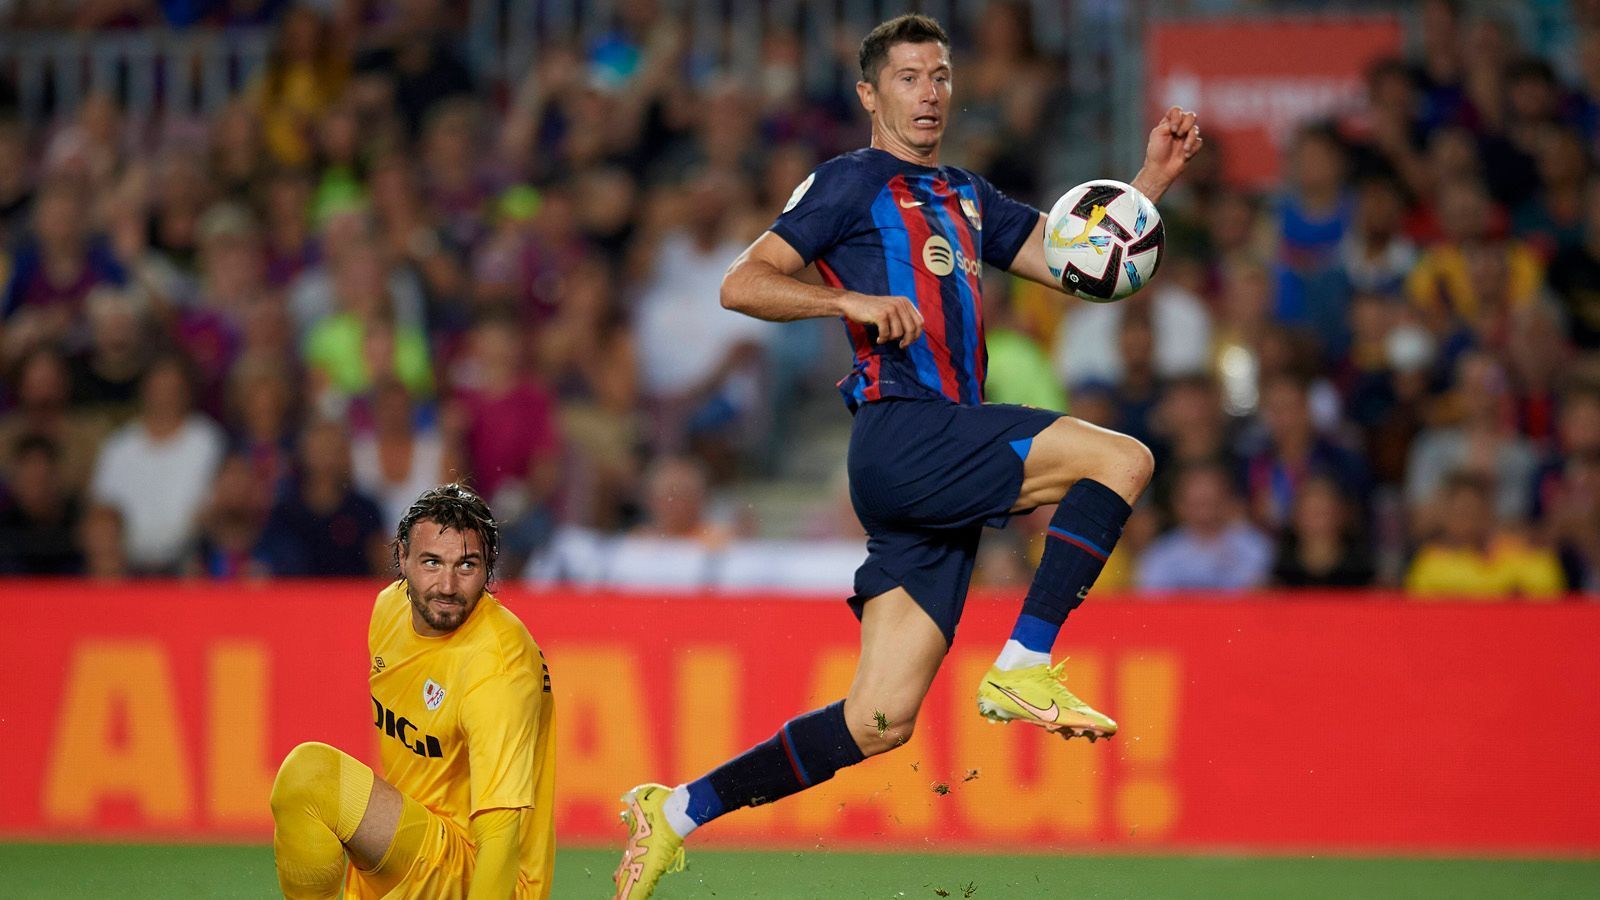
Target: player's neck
[{"x": 904, "y": 152}]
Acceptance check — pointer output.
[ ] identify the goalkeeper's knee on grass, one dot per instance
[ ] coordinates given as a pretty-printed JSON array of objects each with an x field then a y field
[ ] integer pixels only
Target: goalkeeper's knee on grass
[{"x": 318, "y": 799}]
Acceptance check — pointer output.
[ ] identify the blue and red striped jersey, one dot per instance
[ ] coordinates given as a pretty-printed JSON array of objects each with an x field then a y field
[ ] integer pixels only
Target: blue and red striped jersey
[{"x": 875, "y": 224}]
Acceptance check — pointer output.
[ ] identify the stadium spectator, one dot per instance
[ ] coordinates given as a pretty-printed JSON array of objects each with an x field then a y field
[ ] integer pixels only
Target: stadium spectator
[
  {"x": 1018, "y": 369},
  {"x": 1005, "y": 93},
  {"x": 39, "y": 520},
  {"x": 1313, "y": 214},
  {"x": 1474, "y": 558},
  {"x": 1322, "y": 545},
  {"x": 54, "y": 267},
  {"x": 41, "y": 405},
  {"x": 103, "y": 538},
  {"x": 107, "y": 373},
  {"x": 1481, "y": 439},
  {"x": 155, "y": 471},
  {"x": 1376, "y": 254},
  {"x": 1087, "y": 344},
  {"x": 1551, "y": 219},
  {"x": 401, "y": 454},
  {"x": 1575, "y": 278},
  {"x": 1214, "y": 547},
  {"x": 321, "y": 526},
  {"x": 16, "y": 181},
  {"x": 707, "y": 400},
  {"x": 365, "y": 339},
  {"x": 261, "y": 420},
  {"x": 505, "y": 421},
  {"x": 1290, "y": 451},
  {"x": 305, "y": 72},
  {"x": 231, "y": 524},
  {"x": 1466, "y": 285},
  {"x": 1189, "y": 428}
]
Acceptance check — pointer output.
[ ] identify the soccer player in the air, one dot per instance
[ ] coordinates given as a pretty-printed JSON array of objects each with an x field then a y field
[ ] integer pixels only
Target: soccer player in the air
[
  {"x": 461, "y": 702},
  {"x": 900, "y": 242}
]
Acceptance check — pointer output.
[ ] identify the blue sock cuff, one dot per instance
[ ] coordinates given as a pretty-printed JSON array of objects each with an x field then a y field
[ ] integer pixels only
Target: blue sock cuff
[
  {"x": 822, "y": 742},
  {"x": 1035, "y": 633},
  {"x": 704, "y": 804},
  {"x": 1089, "y": 499}
]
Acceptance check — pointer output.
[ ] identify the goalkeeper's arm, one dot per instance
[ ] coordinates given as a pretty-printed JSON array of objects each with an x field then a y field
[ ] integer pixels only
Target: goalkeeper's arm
[{"x": 497, "y": 835}]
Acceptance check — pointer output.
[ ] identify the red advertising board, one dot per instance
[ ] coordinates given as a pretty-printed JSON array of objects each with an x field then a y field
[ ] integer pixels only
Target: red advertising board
[
  {"x": 1254, "y": 80},
  {"x": 159, "y": 711}
]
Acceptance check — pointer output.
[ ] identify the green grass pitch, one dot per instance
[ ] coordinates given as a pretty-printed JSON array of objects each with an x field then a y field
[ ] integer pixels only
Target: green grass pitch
[{"x": 135, "y": 871}]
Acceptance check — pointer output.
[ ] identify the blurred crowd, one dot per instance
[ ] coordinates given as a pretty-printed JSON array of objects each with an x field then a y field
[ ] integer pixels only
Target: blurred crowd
[{"x": 239, "y": 346}]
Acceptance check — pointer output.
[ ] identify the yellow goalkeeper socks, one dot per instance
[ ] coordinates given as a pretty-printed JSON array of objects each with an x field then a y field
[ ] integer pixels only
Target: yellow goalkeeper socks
[
  {"x": 318, "y": 800},
  {"x": 409, "y": 834}
]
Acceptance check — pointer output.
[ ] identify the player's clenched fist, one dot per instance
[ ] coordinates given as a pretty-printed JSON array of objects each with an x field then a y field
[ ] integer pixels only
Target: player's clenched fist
[{"x": 896, "y": 318}]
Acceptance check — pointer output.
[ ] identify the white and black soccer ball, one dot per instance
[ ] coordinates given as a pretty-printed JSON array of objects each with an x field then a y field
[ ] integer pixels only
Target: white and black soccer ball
[{"x": 1103, "y": 240}]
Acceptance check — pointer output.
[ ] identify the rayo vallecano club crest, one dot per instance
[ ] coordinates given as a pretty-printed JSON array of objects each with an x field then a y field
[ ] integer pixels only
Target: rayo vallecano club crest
[{"x": 432, "y": 694}]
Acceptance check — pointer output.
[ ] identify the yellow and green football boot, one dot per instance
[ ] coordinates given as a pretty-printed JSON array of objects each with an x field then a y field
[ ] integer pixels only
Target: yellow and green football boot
[
  {"x": 1038, "y": 696},
  {"x": 653, "y": 848}
]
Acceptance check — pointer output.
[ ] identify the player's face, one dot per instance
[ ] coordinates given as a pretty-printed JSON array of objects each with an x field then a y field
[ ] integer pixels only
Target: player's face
[
  {"x": 445, "y": 572},
  {"x": 910, "y": 101}
]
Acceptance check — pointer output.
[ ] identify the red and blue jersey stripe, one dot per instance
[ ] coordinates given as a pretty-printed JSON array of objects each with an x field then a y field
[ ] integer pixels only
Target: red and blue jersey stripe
[{"x": 881, "y": 226}]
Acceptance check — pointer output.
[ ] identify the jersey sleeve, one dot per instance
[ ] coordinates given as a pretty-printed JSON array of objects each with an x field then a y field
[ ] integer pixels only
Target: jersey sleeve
[
  {"x": 500, "y": 716},
  {"x": 821, "y": 212},
  {"x": 1006, "y": 223}
]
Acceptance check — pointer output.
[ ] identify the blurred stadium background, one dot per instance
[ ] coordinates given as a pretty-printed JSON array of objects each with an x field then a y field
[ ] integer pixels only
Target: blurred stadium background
[{"x": 270, "y": 268}]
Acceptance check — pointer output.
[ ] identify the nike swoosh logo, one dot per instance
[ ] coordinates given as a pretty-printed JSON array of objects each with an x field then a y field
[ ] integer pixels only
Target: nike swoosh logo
[
  {"x": 905, "y": 205},
  {"x": 1043, "y": 715}
]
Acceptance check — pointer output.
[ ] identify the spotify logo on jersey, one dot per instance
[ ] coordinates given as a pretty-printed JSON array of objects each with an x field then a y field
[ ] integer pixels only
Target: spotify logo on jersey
[
  {"x": 941, "y": 260},
  {"x": 938, "y": 257}
]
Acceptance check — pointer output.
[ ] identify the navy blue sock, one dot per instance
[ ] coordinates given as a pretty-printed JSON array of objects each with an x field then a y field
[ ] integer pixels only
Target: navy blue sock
[
  {"x": 805, "y": 752},
  {"x": 1082, "y": 533}
]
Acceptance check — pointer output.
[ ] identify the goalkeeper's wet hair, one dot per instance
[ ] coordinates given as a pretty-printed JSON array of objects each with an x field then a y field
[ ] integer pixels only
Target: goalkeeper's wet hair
[{"x": 454, "y": 507}]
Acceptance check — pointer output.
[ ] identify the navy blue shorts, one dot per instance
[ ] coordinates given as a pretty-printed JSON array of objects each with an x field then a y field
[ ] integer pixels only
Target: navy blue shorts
[{"x": 925, "y": 477}]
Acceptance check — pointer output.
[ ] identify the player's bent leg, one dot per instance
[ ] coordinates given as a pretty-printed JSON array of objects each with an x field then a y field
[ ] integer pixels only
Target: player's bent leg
[
  {"x": 328, "y": 806},
  {"x": 1095, "y": 475},
  {"x": 1072, "y": 449},
  {"x": 901, "y": 650},
  {"x": 319, "y": 799}
]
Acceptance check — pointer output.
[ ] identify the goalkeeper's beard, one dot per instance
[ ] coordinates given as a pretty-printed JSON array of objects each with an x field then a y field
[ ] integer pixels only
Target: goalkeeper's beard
[{"x": 446, "y": 619}]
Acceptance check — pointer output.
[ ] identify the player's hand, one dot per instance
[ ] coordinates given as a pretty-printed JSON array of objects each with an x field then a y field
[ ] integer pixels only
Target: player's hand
[
  {"x": 896, "y": 318},
  {"x": 1173, "y": 142}
]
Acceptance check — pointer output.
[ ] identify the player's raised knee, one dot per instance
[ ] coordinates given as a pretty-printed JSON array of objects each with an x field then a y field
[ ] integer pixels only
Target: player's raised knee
[{"x": 304, "y": 772}]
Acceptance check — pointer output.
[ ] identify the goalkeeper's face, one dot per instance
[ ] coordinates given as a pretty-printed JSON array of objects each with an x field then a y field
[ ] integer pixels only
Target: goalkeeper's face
[{"x": 445, "y": 573}]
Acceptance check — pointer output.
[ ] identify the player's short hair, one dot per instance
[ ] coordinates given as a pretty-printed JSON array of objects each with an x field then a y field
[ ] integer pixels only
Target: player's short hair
[
  {"x": 454, "y": 507},
  {"x": 911, "y": 28}
]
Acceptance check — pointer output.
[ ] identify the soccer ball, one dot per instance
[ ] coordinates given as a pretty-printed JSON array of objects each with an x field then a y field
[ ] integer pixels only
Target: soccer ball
[{"x": 1103, "y": 240}]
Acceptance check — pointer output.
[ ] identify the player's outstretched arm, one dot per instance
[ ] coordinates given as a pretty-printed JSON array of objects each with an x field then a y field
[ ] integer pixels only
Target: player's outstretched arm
[
  {"x": 497, "y": 839},
  {"x": 761, "y": 283},
  {"x": 1173, "y": 142}
]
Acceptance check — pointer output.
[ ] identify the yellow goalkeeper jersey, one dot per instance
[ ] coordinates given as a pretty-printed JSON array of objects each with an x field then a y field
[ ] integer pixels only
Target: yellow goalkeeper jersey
[{"x": 465, "y": 722}]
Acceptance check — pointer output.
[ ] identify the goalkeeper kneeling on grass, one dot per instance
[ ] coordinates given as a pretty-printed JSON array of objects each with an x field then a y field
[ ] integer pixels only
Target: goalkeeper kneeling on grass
[{"x": 461, "y": 701}]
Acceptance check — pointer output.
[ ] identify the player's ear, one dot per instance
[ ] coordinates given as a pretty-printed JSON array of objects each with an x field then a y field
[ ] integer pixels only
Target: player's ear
[{"x": 868, "y": 95}]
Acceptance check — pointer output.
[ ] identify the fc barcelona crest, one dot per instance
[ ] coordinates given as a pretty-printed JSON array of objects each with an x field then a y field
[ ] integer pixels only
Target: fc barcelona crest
[
  {"x": 432, "y": 694},
  {"x": 970, "y": 209}
]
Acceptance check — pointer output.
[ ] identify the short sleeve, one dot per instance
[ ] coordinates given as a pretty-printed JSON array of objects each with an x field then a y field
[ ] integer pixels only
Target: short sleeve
[
  {"x": 500, "y": 717},
  {"x": 1006, "y": 223},
  {"x": 821, "y": 211}
]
